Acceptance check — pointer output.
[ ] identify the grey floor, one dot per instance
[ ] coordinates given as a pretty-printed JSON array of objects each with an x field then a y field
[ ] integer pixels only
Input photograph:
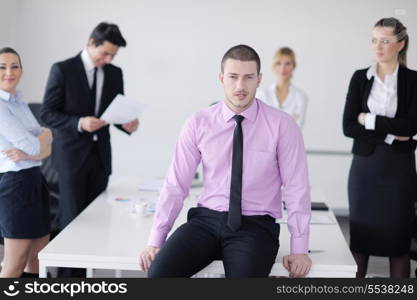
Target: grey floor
[{"x": 378, "y": 266}]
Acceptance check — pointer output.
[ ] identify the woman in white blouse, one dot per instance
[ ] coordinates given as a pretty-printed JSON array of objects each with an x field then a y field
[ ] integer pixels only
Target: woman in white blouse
[
  {"x": 381, "y": 116},
  {"x": 282, "y": 94}
]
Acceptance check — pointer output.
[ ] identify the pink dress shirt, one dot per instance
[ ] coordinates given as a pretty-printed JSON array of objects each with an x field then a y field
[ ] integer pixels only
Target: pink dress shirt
[{"x": 274, "y": 169}]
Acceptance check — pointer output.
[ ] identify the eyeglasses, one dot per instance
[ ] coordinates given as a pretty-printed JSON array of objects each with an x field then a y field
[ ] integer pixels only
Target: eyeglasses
[{"x": 383, "y": 41}]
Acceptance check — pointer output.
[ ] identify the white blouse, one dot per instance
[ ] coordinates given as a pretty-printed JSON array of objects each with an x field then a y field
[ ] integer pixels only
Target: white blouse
[
  {"x": 382, "y": 100},
  {"x": 294, "y": 105},
  {"x": 18, "y": 129}
]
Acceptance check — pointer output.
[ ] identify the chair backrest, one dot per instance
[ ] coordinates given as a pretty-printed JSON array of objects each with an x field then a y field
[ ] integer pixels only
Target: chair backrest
[
  {"x": 51, "y": 177},
  {"x": 36, "y": 108},
  {"x": 48, "y": 172}
]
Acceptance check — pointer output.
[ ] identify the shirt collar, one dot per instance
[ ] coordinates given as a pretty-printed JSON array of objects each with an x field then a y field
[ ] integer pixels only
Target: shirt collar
[
  {"x": 5, "y": 96},
  {"x": 372, "y": 72},
  {"x": 250, "y": 113},
  {"x": 88, "y": 63}
]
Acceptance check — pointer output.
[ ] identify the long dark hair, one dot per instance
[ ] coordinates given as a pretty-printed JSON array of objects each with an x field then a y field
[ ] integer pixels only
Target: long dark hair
[{"x": 400, "y": 32}]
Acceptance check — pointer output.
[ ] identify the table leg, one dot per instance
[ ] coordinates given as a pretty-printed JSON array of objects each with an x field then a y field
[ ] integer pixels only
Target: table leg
[
  {"x": 90, "y": 273},
  {"x": 42, "y": 270}
]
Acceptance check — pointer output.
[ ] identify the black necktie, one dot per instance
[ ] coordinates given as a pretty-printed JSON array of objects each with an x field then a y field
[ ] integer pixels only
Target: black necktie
[
  {"x": 234, "y": 220},
  {"x": 94, "y": 90}
]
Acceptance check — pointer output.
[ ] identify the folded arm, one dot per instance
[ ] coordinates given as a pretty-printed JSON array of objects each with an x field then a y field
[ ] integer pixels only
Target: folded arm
[{"x": 45, "y": 142}]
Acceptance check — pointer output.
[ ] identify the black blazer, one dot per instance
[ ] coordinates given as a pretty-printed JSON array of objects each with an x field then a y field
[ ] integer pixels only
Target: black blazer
[
  {"x": 403, "y": 124},
  {"x": 67, "y": 98}
]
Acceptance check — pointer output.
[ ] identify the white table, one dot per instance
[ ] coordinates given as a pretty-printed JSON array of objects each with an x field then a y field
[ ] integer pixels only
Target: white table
[{"x": 107, "y": 235}]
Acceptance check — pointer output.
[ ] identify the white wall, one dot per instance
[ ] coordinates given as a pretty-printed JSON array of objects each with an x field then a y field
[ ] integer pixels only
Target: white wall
[
  {"x": 8, "y": 10},
  {"x": 173, "y": 57}
]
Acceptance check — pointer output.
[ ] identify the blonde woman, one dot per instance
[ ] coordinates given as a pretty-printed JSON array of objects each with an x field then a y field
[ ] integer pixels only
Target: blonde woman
[
  {"x": 24, "y": 197},
  {"x": 381, "y": 116},
  {"x": 282, "y": 94}
]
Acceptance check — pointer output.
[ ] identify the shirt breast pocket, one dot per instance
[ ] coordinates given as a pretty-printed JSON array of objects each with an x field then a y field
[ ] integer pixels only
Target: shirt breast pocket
[{"x": 258, "y": 165}]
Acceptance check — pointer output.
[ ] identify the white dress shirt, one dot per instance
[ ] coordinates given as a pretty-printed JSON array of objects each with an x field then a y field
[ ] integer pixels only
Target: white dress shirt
[
  {"x": 294, "y": 105},
  {"x": 383, "y": 99},
  {"x": 18, "y": 129},
  {"x": 89, "y": 70}
]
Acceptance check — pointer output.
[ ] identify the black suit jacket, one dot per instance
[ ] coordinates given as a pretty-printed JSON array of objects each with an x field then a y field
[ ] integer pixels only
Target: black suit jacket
[
  {"x": 67, "y": 98},
  {"x": 403, "y": 124}
]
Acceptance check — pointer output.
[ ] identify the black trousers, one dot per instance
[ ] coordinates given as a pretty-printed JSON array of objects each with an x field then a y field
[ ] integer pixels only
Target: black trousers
[
  {"x": 248, "y": 252},
  {"x": 78, "y": 189}
]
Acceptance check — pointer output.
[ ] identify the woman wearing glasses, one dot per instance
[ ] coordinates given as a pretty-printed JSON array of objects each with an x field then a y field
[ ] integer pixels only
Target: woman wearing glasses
[
  {"x": 24, "y": 197},
  {"x": 381, "y": 116}
]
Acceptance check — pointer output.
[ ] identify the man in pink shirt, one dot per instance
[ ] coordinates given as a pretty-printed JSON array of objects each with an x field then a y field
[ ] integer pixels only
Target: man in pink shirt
[{"x": 253, "y": 158}]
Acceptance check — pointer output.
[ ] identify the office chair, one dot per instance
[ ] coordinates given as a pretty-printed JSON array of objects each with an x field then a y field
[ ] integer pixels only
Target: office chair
[{"x": 51, "y": 177}]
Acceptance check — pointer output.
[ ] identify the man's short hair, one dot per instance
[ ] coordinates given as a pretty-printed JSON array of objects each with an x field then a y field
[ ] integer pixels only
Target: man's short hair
[
  {"x": 242, "y": 53},
  {"x": 107, "y": 32}
]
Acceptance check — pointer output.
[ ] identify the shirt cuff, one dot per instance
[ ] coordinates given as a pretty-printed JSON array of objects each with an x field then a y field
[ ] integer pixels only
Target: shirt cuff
[
  {"x": 299, "y": 245},
  {"x": 157, "y": 239},
  {"x": 389, "y": 139},
  {"x": 370, "y": 121},
  {"x": 79, "y": 125},
  {"x": 415, "y": 137}
]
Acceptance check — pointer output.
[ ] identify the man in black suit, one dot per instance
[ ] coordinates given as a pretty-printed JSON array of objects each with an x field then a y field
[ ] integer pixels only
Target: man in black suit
[{"x": 78, "y": 91}]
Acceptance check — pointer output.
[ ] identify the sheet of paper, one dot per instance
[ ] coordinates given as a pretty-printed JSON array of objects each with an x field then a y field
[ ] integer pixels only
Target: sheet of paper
[{"x": 122, "y": 110}]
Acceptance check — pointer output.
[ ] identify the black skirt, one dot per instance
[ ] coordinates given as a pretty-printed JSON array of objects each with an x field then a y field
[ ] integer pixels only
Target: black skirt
[
  {"x": 382, "y": 192},
  {"x": 24, "y": 204}
]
